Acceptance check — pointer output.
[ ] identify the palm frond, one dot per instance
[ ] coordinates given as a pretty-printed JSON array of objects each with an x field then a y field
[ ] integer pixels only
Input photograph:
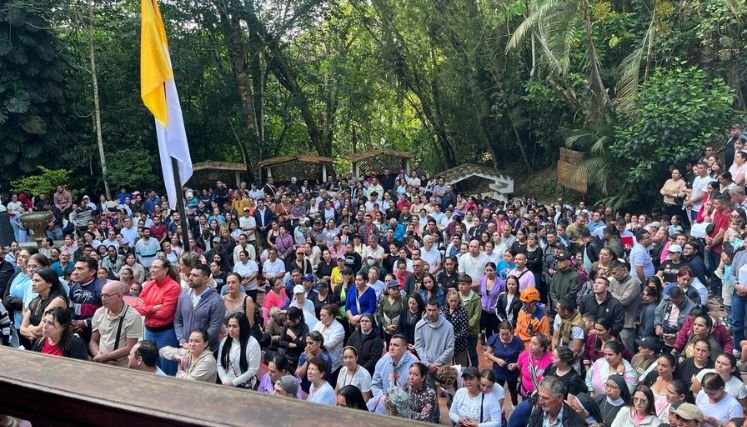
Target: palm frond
[{"x": 535, "y": 17}]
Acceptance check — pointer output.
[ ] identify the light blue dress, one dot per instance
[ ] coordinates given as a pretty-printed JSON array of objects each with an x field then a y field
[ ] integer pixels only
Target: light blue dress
[{"x": 20, "y": 288}]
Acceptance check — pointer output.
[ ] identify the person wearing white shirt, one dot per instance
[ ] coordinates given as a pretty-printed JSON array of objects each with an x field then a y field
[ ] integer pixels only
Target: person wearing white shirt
[
  {"x": 473, "y": 262},
  {"x": 248, "y": 226},
  {"x": 431, "y": 255},
  {"x": 307, "y": 306},
  {"x": 248, "y": 270},
  {"x": 274, "y": 267},
  {"x": 243, "y": 246},
  {"x": 333, "y": 333},
  {"x": 234, "y": 370},
  {"x": 471, "y": 404},
  {"x": 129, "y": 232},
  {"x": 375, "y": 250}
]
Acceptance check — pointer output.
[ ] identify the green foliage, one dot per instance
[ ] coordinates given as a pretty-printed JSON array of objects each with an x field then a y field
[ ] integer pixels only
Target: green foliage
[
  {"x": 34, "y": 93},
  {"x": 680, "y": 110},
  {"x": 45, "y": 183},
  {"x": 132, "y": 168}
]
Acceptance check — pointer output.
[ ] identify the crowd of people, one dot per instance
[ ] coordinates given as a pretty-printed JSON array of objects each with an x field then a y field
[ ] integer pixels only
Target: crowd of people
[{"x": 382, "y": 293}]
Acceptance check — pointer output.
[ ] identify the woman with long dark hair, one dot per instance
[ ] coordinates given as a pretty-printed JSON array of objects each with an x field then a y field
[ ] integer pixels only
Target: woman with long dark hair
[
  {"x": 351, "y": 397},
  {"x": 46, "y": 284},
  {"x": 411, "y": 315},
  {"x": 58, "y": 338},
  {"x": 239, "y": 353}
]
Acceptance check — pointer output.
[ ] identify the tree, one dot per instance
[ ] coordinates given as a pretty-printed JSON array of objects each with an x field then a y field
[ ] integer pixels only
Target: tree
[
  {"x": 680, "y": 110},
  {"x": 35, "y": 94}
]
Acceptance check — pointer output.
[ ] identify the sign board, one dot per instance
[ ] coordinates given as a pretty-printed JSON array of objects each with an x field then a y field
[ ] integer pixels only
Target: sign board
[{"x": 570, "y": 172}]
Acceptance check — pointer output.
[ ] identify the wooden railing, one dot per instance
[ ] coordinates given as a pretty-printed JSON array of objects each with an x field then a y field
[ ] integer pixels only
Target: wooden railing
[{"x": 66, "y": 392}]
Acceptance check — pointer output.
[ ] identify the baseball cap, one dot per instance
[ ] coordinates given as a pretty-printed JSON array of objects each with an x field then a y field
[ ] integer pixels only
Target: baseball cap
[
  {"x": 216, "y": 239},
  {"x": 246, "y": 209},
  {"x": 650, "y": 343},
  {"x": 563, "y": 256},
  {"x": 298, "y": 289},
  {"x": 321, "y": 284},
  {"x": 288, "y": 384},
  {"x": 392, "y": 284},
  {"x": 690, "y": 412},
  {"x": 308, "y": 277},
  {"x": 675, "y": 248}
]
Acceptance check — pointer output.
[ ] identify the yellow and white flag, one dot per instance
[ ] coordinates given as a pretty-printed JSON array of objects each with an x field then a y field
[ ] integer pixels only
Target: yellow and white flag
[{"x": 158, "y": 90}]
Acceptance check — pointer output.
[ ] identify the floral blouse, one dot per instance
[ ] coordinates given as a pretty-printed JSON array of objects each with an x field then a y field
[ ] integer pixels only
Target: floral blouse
[{"x": 422, "y": 402}]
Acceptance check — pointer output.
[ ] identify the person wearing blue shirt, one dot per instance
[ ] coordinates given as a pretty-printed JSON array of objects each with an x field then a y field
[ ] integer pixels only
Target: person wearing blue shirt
[
  {"x": 640, "y": 259},
  {"x": 361, "y": 300}
]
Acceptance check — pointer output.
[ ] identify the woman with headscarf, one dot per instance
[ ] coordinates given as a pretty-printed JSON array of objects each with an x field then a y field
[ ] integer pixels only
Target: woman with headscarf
[
  {"x": 586, "y": 407},
  {"x": 615, "y": 397}
]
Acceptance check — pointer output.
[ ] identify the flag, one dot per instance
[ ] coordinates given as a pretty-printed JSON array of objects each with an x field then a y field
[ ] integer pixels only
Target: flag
[{"x": 158, "y": 91}]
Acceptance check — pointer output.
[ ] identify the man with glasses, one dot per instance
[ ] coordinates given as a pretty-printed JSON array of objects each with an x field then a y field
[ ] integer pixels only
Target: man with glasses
[{"x": 116, "y": 327}]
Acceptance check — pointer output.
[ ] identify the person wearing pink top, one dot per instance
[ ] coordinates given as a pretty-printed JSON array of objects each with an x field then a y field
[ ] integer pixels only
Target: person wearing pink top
[
  {"x": 526, "y": 278},
  {"x": 274, "y": 298},
  {"x": 536, "y": 358}
]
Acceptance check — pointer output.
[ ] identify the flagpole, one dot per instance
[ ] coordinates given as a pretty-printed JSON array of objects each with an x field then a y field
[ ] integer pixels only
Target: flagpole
[{"x": 180, "y": 204}]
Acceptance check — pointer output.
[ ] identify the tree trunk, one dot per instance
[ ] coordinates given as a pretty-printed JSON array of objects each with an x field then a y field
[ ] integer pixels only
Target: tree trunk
[
  {"x": 232, "y": 32},
  {"x": 96, "y": 104}
]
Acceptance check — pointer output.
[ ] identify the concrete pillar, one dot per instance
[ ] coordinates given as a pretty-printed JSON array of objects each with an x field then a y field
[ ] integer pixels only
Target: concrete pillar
[{"x": 324, "y": 172}]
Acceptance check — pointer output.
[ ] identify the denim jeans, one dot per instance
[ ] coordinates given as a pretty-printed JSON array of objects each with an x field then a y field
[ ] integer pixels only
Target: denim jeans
[
  {"x": 738, "y": 314},
  {"x": 163, "y": 339}
]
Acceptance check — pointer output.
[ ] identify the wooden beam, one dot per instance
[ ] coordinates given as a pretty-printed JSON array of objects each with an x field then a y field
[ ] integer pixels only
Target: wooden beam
[{"x": 57, "y": 391}]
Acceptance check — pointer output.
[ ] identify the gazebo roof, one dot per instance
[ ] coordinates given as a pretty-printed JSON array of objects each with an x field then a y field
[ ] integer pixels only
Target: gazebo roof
[
  {"x": 501, "y": 183},
  {"x": 317, "y": 160},
  {"x": 225, "y": 166},
  {"x": 363, "y": 155}
]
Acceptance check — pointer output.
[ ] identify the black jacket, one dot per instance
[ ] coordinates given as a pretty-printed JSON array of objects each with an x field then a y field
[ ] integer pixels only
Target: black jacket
[
  {"x": 369, "y": 348},
  {"x": 502, "y": 308},
  {"x": 610, "y": 308}
]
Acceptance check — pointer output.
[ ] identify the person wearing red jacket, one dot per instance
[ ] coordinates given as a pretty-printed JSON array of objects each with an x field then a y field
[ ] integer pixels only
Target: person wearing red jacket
[
  {"x": 719, "y": 332},
  {"x": 157, "y": 303}
]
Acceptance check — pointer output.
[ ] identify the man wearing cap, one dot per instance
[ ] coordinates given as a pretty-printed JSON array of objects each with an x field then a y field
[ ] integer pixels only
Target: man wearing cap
[
  {"x": 644, "y": 361},
  {"x": 626, "y": 288},
  {"x": 564, "y": 281},
  {"x": 531, "y": 318},
  {"x": 217, "y": 249},
  {"x": 668, "y": 269},
  {"x": 688, "y": 415},
  {"x": 300, "y": 301},
  {"x": 286, "y": 386},
  {"x": 146, "y": 249}
]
